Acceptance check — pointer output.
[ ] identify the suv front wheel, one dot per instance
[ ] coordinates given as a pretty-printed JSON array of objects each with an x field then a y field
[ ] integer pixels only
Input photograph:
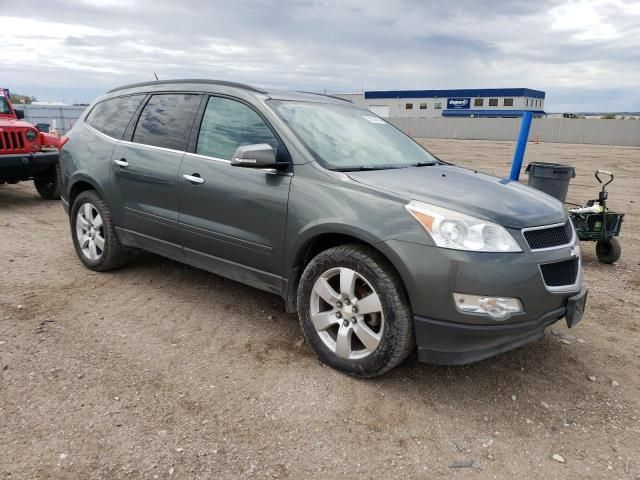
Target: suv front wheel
[
  {"x": 94, "y": 235},
  {"x": 353, "y": 311}
]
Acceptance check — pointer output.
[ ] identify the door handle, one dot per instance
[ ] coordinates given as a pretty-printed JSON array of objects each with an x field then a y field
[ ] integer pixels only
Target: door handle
[
  {"x": 122, "y": 162},
  {"x": 195, "y": 179}
]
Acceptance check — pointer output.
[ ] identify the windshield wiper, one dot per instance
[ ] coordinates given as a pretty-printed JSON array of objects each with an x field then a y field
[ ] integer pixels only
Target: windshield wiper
[
  {"x": 367, "y": 168},
  {"x": 363, "y": 168},
  {"x": 424, "y": 164}
]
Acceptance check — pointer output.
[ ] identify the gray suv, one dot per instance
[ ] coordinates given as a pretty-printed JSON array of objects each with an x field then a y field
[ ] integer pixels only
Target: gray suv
[{"x": 378, "y": 245}]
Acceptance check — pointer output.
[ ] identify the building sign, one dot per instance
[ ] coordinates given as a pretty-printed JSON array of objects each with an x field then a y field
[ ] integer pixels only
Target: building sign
[{"x": 458, "y": 103}]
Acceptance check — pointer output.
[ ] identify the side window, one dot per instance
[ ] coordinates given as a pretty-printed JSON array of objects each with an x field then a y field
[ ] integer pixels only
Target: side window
[
  {"x": 4, "y": 105},
  {"x": 166, "y": 121},
  {"x": 228, "y": 124},
  {"x": 112, "y": 116}
]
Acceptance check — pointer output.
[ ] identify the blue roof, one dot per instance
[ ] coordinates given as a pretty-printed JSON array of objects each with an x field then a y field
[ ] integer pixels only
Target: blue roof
[
  {"x": 467, "y": 112},
  {"x": 465, "y": 92}
]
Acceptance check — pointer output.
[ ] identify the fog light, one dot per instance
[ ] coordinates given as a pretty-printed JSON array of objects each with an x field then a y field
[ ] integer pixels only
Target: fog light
[{"x": 497, "y": 308}]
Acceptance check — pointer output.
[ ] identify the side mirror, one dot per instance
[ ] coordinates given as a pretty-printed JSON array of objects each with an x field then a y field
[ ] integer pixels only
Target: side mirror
[
  {"x": 259, "y": 155},
  {"x": 19, "y": 114}
]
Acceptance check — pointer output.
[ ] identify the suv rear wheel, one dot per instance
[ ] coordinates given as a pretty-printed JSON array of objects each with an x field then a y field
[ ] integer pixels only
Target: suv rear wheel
[
  {"x": 94, "y": 235},
  {"x": 353, "y": 311},
  {"x": 48, "y": 184}
]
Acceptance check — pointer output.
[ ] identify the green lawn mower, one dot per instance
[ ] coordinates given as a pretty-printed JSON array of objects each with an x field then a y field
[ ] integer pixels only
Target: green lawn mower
[{"x": 595, "y": 223}]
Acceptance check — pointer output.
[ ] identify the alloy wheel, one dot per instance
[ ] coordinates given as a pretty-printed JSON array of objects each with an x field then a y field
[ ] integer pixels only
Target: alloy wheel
[
  {"x": 90, "y": 232},
  {"x": 346, "y": 313}
]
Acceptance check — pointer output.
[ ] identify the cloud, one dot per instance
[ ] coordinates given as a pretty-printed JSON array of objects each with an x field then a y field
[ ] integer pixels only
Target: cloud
[{"x": 574, "y": 46}]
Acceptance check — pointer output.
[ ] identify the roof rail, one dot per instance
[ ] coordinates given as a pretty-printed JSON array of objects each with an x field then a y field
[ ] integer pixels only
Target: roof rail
[
  {"x": 326, "y": 95},
  {"x": 189, "y": 80}
]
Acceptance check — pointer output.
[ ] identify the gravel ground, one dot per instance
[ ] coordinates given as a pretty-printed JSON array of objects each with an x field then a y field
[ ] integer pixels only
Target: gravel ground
[{"x": 160, "y": 370}]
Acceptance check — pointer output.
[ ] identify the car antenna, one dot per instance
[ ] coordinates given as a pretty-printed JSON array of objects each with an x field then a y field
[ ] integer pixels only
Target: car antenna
[{"x": 156, "y": 75}]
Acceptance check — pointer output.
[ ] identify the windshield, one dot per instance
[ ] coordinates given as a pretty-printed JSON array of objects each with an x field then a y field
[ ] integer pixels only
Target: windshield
[
  {"x": 344, "y": 137},
  {"x": 4, "y": 106}
]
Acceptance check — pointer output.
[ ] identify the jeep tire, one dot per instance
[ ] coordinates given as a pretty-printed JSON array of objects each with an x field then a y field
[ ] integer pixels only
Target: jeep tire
[{"x": 48, "y": 183}]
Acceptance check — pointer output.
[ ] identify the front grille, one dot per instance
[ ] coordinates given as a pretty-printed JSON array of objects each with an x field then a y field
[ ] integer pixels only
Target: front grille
[
  {"x": 561, "y": 273},
  {"x": 11, "y": 140},
  {"x": 549, "y": 237}
]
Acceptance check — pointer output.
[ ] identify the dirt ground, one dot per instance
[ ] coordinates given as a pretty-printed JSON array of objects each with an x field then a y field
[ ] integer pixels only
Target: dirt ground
[{"x": 160, "y": 370}]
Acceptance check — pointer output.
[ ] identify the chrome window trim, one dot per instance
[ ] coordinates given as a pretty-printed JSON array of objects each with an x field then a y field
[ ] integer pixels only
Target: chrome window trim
[
  {"x": 272, "y": 171},
  {"x": 207, "y": 157},
  {"x": 545, "y": 227},
  {"x": 152, "y": 147},
  {"x": 95, "y": 130},
  {"x": 155, "y": 147},
  {"x": 127, "y": 142},
  {"x": 197, "y": 155}
]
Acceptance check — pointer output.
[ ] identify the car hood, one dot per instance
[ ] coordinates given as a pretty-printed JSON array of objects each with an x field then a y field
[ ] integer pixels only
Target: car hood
[
  {"x": 13, "y": 123},
  {"x": 504, "y": 202}
]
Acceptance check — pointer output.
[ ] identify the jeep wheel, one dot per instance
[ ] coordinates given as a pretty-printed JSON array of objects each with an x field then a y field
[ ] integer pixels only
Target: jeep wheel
[
  {"x": 48, "y": 184},
  {"x": 94, "y": 235},
  {"x": 353, "y": 311}
]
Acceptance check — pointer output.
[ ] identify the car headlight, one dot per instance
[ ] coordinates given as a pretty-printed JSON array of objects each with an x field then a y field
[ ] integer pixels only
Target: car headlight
[
  {"x": 451, "y": 229},
  {"x": 31, "y": 135}
]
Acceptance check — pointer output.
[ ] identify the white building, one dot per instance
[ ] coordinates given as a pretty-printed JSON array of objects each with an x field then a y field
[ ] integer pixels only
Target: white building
[{"x": 480, "y": 102}]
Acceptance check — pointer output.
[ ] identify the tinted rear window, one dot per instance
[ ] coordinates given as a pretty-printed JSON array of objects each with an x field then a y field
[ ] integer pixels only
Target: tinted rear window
[
  {"x": 112, "y": 116},
  {"x": 166, "y": 121}
]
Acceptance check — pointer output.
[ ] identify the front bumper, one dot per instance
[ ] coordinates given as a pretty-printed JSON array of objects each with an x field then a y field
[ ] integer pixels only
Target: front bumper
[
  {"x": 24, "y": 166},
  {"x": 448, "y": 336},
  {"x": 448, "y": 343}
]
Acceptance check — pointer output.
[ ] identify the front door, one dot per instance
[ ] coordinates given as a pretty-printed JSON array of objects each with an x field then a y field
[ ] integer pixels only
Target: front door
[
  {"x": 145, "y": 171},
  {"x": 232, "y": 218}
]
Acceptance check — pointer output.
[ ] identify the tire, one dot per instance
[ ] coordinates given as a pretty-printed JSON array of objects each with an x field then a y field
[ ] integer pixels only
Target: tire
[
  {"x": 608, "y": 251},
  {"x": 388, "y": 321},
  {"x": 48, "y": 185},
  {"x": 107, "y": 253}
]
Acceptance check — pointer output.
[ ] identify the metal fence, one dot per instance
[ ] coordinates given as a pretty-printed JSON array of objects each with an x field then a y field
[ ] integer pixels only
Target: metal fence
[
  {"x": 554, "y": 130},
  {"x": 62, "y": 116}
]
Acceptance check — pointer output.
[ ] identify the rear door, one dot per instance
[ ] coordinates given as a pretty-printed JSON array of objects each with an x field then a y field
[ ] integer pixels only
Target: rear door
[
  {"x": 145, "y": 171},
  {"x": 233, "y": 219}
]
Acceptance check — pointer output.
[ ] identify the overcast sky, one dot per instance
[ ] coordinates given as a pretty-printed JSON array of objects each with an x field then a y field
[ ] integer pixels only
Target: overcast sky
[{"x": 585, "y": 54}]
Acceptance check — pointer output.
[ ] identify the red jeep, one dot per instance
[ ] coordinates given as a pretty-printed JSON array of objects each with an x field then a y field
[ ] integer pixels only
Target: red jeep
[{"x": 26, "y": 153}]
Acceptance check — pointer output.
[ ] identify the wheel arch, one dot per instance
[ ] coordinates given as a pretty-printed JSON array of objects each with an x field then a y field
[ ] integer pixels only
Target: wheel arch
[
  {"x": 80, "y": 183},
  {"x": 323, "y": 239}
]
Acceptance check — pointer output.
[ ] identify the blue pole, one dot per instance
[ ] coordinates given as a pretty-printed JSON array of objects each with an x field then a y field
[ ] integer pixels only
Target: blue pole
[{"x": 521, "y": 146}]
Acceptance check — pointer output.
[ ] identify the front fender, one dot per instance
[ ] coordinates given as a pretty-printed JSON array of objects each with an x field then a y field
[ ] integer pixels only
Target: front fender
[
  {"x": 313, "y": 230},
  {"x": 346, "y": 208},
  {"x": 49, "y": 140}
]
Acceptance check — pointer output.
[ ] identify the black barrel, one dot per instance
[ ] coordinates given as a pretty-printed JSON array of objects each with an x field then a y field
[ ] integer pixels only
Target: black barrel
[{"x": 551, "y": 178}]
